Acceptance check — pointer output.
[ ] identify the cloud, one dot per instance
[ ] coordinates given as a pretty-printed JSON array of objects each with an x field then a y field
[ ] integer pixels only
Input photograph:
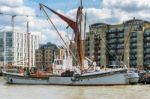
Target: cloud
[
  {"x": 37, "y": 25},
  {"x": 14, "y": 7},
  {"x": 117, "y": 11},
  {"x": 11, "y": 3},
  {"x": 130, "y": 8},
  {"x": 20, "y": 10},
  {"x": 127, "y": 5}
]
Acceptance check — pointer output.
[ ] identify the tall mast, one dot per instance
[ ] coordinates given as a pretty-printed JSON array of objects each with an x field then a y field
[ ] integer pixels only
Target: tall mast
[
  {"x": 77, "y": 28},
  {"x": 4, "y": 40},
  {"x": 28, "y": 43},
  {"x": 12, "y": 22},
  {"x": 79, "y": 40},
  {"x": 81, "y": 3}
]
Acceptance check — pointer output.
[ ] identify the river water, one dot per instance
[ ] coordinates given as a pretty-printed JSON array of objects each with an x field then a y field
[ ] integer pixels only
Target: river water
[{"x": 73, "y": 92}]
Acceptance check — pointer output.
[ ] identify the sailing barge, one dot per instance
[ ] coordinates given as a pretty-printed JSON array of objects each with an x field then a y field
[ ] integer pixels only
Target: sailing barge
[
  {"x": 116, "y": 76},
  {"x": 107, "y": 77}
]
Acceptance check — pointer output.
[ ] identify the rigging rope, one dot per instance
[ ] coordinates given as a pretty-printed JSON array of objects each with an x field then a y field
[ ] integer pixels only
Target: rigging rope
[{"x": 50, "y": 21}]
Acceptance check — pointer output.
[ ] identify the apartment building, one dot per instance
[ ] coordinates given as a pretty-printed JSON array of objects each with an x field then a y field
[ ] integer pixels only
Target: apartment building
[
  {"x": 45, "y": 56},
  {"x": 105, "y": 43},
  {"x": 18, "y": 48}
]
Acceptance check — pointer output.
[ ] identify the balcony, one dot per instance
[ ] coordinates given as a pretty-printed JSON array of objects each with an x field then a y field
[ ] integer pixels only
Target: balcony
[
  {"x": 112, "y": 46},
  {"x": 120, "y": 41},
  {"x": 120, "y": 36},
  {"x": 147, "y": 34},
  {"x": 147, "y": 56},
  {"x": 112, "y": 41},
  {"x": 147, "y": 39},
  {"x": 133, "y": 64},
  {"x": 133, "y": 46},
  {"x": 133, "y": 53},
  {"x": 133, "y": 50},
  {"x": 133, "y": 41},
  {"x": 146, "y": 62},
  {"x": 112, "y": 51},
  {"x": 133, "y": 36},
  {"x": 120, "y": 47},
  {"x": 133, "y": 57},
  {"x": 146, "y": 51},
  {"x": 111, "y": 37},
  {"x": 146, "y": 46},
  {"x": 116, "y": 31}
]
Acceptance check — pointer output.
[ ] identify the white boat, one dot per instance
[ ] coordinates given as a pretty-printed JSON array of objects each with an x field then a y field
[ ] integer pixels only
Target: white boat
[
  {"x": 63, "y": 75},
  {"x": 76, "y": 76},
  {"x": 118, "y": 76}
]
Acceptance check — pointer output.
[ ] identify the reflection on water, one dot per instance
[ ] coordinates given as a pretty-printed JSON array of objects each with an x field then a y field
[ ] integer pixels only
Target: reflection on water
[{"x": 73, "y": 92}]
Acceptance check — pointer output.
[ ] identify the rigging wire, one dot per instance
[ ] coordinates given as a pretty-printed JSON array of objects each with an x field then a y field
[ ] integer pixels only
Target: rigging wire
[
  {"x": 50, "y": 21},
  {"x": 107, "y": 47},
  {"x": 127, "y": 40}
]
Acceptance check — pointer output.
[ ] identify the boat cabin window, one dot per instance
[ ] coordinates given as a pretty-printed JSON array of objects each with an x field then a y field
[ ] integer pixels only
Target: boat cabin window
[
  {"x": 115, "y": 66},
  {"x": 59, "y": 62}
]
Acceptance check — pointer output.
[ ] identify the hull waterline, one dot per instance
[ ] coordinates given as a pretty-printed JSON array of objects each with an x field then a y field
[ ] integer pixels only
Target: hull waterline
[{"x": 109, "y": 78}]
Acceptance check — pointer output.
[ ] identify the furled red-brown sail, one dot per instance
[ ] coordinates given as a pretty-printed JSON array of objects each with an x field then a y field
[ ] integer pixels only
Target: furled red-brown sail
[
  {"x": 76, "y": 26},
  {"x": 70, "y": 22}
]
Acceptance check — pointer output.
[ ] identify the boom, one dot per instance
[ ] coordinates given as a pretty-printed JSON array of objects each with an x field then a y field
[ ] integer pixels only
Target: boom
[{"x": 76, "y": 27}]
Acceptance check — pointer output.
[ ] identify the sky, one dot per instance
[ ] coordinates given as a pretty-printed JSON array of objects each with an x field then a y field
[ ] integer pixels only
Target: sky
[{"x": 98, "y": 11}]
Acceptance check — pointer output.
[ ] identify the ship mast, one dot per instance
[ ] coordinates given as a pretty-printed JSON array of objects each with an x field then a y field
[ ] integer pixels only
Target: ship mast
[
  {"x": 76, "y": 27},
  {"x": 79, "y": 38}
]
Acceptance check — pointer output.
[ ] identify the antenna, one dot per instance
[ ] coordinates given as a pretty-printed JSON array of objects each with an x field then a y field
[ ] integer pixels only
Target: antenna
[
  {"x": 85, "y": 24},
  {"x": 27, "y": 25},
  {"x": 12, "y": 22},
  {"x": 81, "y": 3}
]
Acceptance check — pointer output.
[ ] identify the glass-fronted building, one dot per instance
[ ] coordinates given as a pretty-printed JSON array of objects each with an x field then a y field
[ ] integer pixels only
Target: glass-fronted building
[
  {"x": 14, "y": 48},
  {"x": 6, "y": 47}
]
